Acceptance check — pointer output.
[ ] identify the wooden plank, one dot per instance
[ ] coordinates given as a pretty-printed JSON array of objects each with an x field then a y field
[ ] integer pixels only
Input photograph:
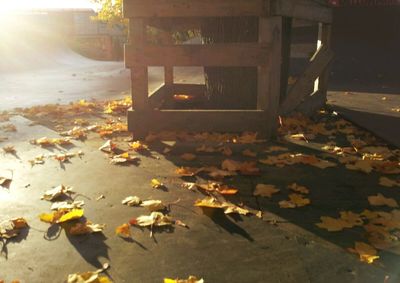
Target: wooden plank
[
  {"x": 269, "y": 77},
  {"x": 139, "y": 74},
  {"x": 177, "y": 24},
  {"x": 299, "y": 90},
  {"x": 312, "y": 103},
  {"x": 196, "y": 120},
  {"x": 301, "y": 9},
  {"x": 221, "y": 55},
  {"x": 192, "y": 8}
]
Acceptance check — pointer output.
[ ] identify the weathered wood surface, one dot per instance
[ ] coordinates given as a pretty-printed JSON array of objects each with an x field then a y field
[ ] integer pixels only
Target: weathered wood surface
[
  {"x": 299, "y": 91},
  {"x": 223, "y": 55},
  {"x": 139, "y": 74},
  {"x": 196, "y": 120},
  {"x": 269, "y": 77},
  {"x": 193, "y": 8},
  {"x": 301, "y": 9}
]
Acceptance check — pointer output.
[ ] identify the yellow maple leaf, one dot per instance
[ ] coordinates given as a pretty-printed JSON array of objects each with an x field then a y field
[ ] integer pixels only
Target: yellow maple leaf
[
  {"x": 380, "y": 200},
  {"x": 138, "y": 146},
  {"x": 332, "y": 224},
  {"x": 156, "y": 184},
  {"x": 366, "y": 252},
  {"x": 264, "y": 190},
  {"x": 123, "y": 231},
  {"x": 299, "y": 200},
  {"x": 300, "y": 189},
  {"x": 71, "y": 215}
]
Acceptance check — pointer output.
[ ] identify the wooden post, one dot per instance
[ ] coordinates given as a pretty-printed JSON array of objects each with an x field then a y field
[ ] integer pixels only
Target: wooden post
[
  {"x": 139, "y": 74},
  {"x": 269, "y": 77},
  {"x": 324, "y": 35},
  {"x": 166, "y": 39}
]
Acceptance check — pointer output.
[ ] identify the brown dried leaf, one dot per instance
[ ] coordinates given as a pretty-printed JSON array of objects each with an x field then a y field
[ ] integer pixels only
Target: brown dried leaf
[
  {"x": 264, "y": 190},
  {"x": 380, "y": 200}
]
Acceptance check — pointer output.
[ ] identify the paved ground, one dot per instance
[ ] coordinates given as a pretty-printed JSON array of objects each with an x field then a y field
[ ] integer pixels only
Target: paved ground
[{"x": 285, "y": 246}]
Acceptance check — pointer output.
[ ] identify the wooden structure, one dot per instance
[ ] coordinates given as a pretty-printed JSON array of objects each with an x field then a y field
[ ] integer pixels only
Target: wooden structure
[{"x": 270, "y": 55}]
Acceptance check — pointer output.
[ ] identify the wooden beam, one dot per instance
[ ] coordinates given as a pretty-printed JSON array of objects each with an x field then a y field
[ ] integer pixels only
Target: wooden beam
[
  {"x": 221, "y": 55},
  {"x": 301, "y": 9},
  {"x": 139, "y": 74},
  {"x": 269, "y": 76},
  {"x": 312, "y": 103},
  {"x": 286, "y": 51},
  {"x": 196, "y": 120},
  {"x": 193, "y": 8},
  {"x": 299, "y": 91},
  {"x": 177, "y": 24}
]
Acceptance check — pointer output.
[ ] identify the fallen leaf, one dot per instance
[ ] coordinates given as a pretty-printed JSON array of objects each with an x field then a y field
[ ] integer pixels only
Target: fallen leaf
[
  {"x": 65, "y": 205},
  {"x": 188, "y": 171},
  {"x": 188, "y": 156},
  {"x": 295, "y": 200},
  {"x": 12, "y": 227},
  {"x": 286, "y": 204},
  {"x": 361, "y": 165},
  {"x": 299, "y": 189},
  {"x": 154, "y": 219},
  {"x": 332, "y": 224},
  {"x": 123, "y": 158},
  {"x": 57, "y": 192},
  {"x": 189, "y": 186},
  {"x": 90, "y": 277},
  {"x": 71, "y": 215},
  {"x": 366, "y": 252},
  {"x": 249, "y": 153},
  {"x": 138, "y": 146},
  {"x": 264, "y": 190},
  {"x": 131, "y": 201},
  {"x": 380, "y": 200},
  {"x": 9, "y": 149},
  {"x": 156, "y": 184},
  {"x": 207, "y": 149},
  {"x": 86, "y": 228},
  {"x": 47, "y": 142},
  {"x": 153, "y": 205},
  {"x": 352, "y": 219},
  {"x": 124, "y": 231},
  {"x": 108, "y": 147},
  {"x": 387, "y": 182},
  {"x": 4, "y": 181},
  {"x": 191, "y": 279}
]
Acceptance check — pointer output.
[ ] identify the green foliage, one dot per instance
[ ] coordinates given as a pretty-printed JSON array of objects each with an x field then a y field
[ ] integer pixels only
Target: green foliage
[{"x": 111, "y": 12}]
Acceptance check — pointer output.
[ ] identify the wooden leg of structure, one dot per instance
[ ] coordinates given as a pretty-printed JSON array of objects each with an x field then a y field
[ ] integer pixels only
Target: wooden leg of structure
[
  {"x": 139, "y": 79},
  {"x": 269, "y": 77},
  {"x": 324, "y": 35}
]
